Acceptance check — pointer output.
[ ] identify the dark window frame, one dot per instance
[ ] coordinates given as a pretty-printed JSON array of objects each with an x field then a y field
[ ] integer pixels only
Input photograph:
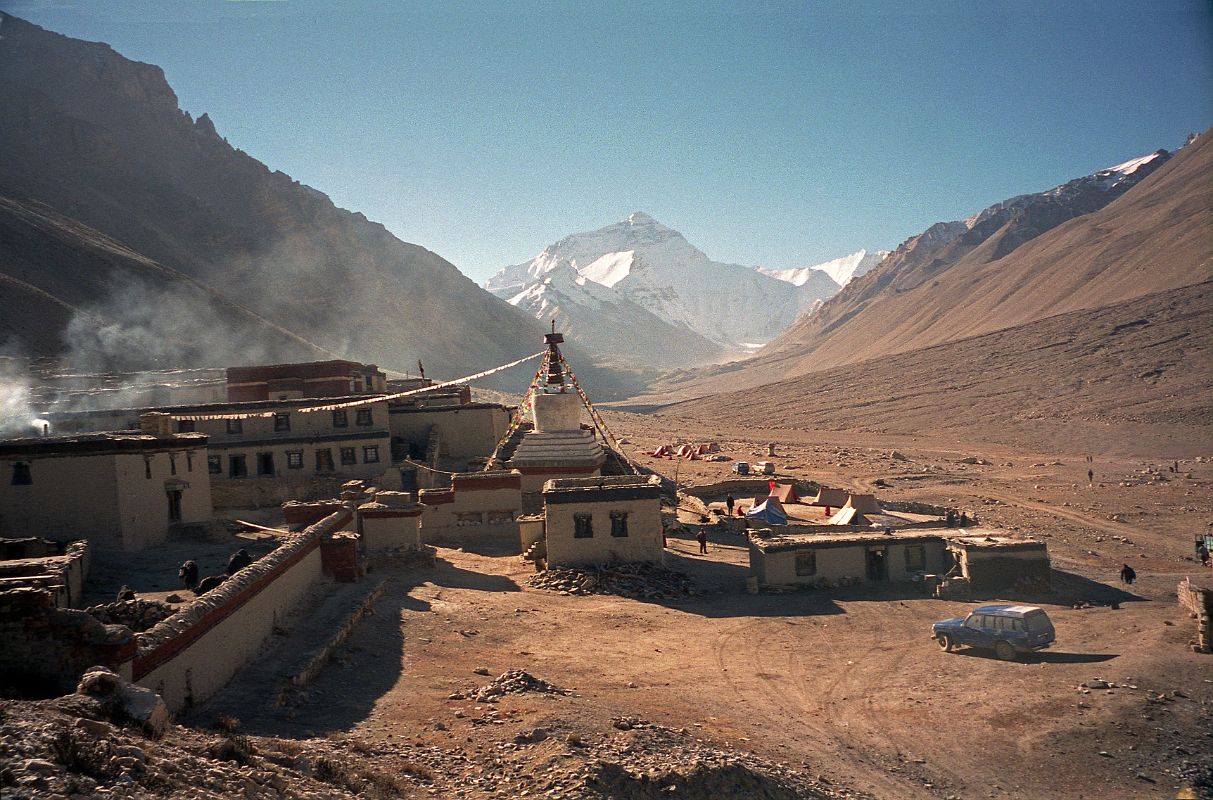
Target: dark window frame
[
  {"x": 263, "y": 458},
  {"x": 364, "y": 417},
  {"x": 294, "y": 459},
  {"x": 232, "y": 461},
  {"x": 324, "y": 459},
  {"x": 370, "y": 454},
  {"x": 235, "y": 427},
  {"x": 583, "y": 526},
  {"x": 619, "y": 524},
  {"x": 22, "y": 474},
  {"x": 341, "y": 419},
  {"x": 920, "y": 550},
  {"x": 214, "y": 465},
  {"x": 349, "y": 455},
  {"x": 805, "y": 563},
  {"x": 282, "y": 422}
]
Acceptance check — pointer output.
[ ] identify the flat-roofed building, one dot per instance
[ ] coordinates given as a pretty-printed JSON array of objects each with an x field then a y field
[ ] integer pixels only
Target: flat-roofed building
[
  {"x": 603, "y": 520},
  {"x": 280, "y": 453},
  {"x": 333, "y": 378},
  {"x": 121, "y": 490},
  {"x": 824, "y": 559}
]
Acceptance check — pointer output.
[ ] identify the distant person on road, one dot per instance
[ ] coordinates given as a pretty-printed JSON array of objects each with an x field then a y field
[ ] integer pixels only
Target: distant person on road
[
  {"x": 1128, "y": 575},
  {"x": 702, "y": 536},
  {"x": 729, "y": 503},
  {"x": 1090, "y": 477}
]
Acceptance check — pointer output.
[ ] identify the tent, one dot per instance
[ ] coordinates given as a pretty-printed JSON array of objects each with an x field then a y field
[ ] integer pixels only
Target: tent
[
  {"x": 830, "y": 498},
  {"x": 786, "y": 492},
  {"x": 864, "y": 503},
  {"x": 661, "y": 452},
  {"x": 770, "y": 511}
]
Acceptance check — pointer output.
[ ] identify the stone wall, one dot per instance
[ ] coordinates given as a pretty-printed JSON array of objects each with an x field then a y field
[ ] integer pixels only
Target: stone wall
[
  {"x": 479, "y": 509},
  {"x": 192, "y": 654},
  {"x": 1198, "y": 602},
  {"x": 46, "y": 649},
  {"x": 56, "y": 567}
]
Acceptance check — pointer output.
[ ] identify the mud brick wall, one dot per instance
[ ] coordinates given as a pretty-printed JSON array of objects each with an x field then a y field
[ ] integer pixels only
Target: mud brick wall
[
  {"x": 339, "y": 557},
  {"x": 1198, "y": 602},
  {"x": 44, "y": 650},
  {"x": 192, "y": 654}
]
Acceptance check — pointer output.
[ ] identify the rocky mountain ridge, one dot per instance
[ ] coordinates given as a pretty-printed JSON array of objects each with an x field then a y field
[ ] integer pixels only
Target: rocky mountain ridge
[{"x": 100, "y": 139}]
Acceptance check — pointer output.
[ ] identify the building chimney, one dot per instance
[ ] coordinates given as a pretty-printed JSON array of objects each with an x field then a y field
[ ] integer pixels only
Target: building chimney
[{"x": 155, "y": 423}]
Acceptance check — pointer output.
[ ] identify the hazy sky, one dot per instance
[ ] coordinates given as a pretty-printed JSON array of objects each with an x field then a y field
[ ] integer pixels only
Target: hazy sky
[{"x": 780, "y": 134}]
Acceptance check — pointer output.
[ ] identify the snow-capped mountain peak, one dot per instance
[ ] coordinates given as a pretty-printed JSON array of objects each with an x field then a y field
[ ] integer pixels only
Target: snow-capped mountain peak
[{"x": 839, "y": 270}]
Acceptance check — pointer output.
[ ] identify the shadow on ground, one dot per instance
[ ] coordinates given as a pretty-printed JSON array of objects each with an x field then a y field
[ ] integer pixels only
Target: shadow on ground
[{"x": 1046, "y": 657}]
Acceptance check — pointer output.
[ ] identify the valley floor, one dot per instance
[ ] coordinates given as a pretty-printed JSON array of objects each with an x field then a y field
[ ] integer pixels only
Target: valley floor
[{"x": 846, "y": 690}]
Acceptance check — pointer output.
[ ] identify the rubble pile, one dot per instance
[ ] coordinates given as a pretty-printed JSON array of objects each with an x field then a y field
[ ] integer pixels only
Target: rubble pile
[
  {"x": 637, "y": 580},
  {"x": 514, "y": 681},
  {"x": 138, "y": 615},
  {"x": 72, "y": 747}
]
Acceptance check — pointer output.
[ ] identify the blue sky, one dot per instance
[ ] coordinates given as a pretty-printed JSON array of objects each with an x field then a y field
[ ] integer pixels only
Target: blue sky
[{"x": 781, "y": 134}]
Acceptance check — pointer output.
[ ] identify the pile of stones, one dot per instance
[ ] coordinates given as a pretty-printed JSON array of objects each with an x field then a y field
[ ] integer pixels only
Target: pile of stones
[
  {"x": 138, "y": 615},
  {"x": 637, "y": 580},
  {"x": 514, "y": 681}
]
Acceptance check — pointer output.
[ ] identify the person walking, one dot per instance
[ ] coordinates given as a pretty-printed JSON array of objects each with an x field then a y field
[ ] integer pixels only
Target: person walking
[
  {"x": 1090, "y": 477},
  {"x": 729, "y": 503},
  {"x": 1128, "y": 575},
  {"x": 702, "y": 536}
]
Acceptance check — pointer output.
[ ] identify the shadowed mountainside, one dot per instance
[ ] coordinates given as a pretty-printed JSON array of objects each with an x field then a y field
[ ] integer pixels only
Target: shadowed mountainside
[{"x": 101, "y": 140}]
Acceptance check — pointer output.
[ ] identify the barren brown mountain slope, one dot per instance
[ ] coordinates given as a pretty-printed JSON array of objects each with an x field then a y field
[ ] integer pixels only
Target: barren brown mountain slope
[
  {"x": 101, "y": 139},
  {"x": 49, "y": 311},
  {"x": 1126, "y": 379},
  {"x": 1157, "y": 236}
]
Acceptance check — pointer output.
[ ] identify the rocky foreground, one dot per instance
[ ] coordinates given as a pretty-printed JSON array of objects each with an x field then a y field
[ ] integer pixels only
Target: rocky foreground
[{"x": 96, "y": 744}]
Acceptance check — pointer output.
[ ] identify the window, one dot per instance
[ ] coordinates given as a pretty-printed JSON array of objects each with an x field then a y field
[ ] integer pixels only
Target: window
[
  {"x": 349, "y": 456},
  {"x": 324, "y": 460},
  {"x": 21, "y": 474},
  {"x": 235, "y": 426},
  {"x": 370, "y": 454},
  {"x": 265, "y": 463},
  {"x": 1017, "y": 625},
  {"x": 237, "y": 466},
  {"x": 806, "y": 562},
  {"x": 282, "y": 422},
  {"x": 189, "y": 460},
  {"x": 619, "y": 523},
  {"x": 974, "y": 621},
  {"x": 185, "y": 426},
  {"x": 916, "y": 558},
  {"x": 294, "y": 459},
  {"x": 172, "y": 463},
  {"x": 469, "y": 518},
  {"x": 364, "y": 417},
  {"x": 583, "y": 526},
  {"x": 214, "y": 464},
  {"x": 341, "y": 419},
  {"x": 147, "y": 467}
]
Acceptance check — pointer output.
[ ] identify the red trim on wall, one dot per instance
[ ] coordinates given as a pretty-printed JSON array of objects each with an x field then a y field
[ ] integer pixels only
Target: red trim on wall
[
  {"x": 470, "y": 484},
  {"x": 437, "y": 498},
  {"x": 557, "y": 471},
  {"x": 143, "y": 664},
  {"x": 381, "y": 513}
]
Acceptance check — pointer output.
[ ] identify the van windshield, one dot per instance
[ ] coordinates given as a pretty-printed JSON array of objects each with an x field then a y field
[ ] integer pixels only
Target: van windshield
[{"x": 1037, "y": 623}]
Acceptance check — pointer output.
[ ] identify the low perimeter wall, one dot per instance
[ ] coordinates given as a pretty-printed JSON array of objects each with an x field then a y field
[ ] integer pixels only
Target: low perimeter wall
[
  {"x": 1198, "y": 601},
  {"x": 194, "y": 653}
]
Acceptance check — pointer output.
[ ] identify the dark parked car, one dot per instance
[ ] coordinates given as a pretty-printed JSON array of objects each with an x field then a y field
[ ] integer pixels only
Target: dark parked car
[{"x": 1007, "y": 630}]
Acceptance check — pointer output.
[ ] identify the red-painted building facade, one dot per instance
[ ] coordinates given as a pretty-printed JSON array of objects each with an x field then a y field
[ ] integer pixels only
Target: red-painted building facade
[{"x": 335, "y": 378}]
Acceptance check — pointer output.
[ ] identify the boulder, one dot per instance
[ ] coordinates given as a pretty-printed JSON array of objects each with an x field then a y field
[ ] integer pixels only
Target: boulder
[{"x": 125, "y": 701}]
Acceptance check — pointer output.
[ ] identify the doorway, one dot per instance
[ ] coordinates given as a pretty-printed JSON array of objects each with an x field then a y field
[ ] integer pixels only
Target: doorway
[
  {"x": 174, "y": 505},
  {"x": 878, "y": 564}
]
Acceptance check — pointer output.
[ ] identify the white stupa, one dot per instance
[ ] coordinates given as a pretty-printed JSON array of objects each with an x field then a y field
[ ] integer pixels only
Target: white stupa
[{"x": 558, "y": 447}]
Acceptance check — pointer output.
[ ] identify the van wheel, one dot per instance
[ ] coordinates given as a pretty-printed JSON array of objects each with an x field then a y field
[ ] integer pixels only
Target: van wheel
[
  {"x": 945, "y": 642},
  {"x": 1004, "y": 651}
]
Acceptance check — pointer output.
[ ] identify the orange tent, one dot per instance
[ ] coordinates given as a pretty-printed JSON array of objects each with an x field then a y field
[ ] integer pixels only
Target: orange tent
[{"x": 786, "y": 492}]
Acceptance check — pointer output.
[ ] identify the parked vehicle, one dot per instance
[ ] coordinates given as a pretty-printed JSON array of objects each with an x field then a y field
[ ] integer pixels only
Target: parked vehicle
[
  {"x": 1005, "y": 629},
  {"x": 741, "y": 467}
]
